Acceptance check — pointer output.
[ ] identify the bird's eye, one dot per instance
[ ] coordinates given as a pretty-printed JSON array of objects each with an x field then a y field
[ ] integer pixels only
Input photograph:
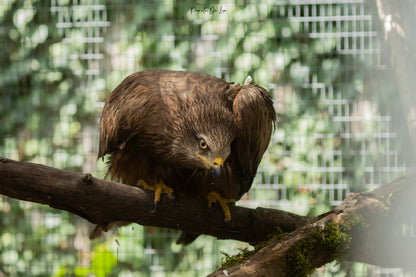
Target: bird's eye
[{"x": 203, "y": 144}]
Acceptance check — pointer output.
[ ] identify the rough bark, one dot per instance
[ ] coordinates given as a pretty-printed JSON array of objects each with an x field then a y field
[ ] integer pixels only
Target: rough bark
[
  {"x": 363, "y": 228},
  {"x": 104, "y": 202}
]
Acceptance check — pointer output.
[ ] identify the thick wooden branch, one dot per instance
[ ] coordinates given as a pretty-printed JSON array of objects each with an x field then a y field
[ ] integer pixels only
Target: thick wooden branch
[{"x": 104, "y": 202}]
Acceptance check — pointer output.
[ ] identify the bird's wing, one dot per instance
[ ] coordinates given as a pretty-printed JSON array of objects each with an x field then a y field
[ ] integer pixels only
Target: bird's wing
[
  {"x": 253, "y": 108},
  {"x": 128, "y": 110}
]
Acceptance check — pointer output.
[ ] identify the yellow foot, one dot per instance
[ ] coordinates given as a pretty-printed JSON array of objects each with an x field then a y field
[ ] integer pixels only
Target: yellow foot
[
  {"x": 216, "y": 197},
  {"x": 159, "y": 188}
]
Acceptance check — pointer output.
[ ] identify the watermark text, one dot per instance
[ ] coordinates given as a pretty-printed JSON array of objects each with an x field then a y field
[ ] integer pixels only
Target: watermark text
[{"x": 210, "y": 10}]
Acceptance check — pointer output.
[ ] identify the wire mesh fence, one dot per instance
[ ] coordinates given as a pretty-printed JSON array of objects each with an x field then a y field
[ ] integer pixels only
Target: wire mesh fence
[{"x": 322, "y": 60}]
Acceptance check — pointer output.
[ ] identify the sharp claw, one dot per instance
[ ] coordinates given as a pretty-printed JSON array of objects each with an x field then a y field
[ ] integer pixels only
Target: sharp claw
[
  {"x": 214, "y": 197},
  {"x": 211, "y": 209},
  {"x": 159, "y": 189},
  {"x": 155, "y": 207},
  {"x": 174, "y": 199}
]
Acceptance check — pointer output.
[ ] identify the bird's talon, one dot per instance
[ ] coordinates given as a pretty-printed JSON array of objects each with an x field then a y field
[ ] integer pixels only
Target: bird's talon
[
  {"x": 211, "y": 209},
  {"x": 174, "y": 199},
  {"x": 159, "y": 188},
  {"x": 171, "y": 195},
  {"x": 214, "y": 197},
  {"x": 155, "y": 207}
]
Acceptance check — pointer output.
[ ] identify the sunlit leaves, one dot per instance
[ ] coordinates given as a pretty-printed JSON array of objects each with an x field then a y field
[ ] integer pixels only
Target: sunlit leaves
[
  {"x": 22, "y": 17},
  {"x": 103, "y": 261},
  {"x": 44, "y": 107}
]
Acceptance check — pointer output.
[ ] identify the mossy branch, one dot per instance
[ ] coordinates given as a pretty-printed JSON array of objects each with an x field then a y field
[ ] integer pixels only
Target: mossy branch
[{"x": 360, "y": 229}]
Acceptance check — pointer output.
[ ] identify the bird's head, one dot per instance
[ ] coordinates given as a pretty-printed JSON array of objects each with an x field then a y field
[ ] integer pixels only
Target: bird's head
[
  {"x": 212, "y": 156},
  {"x": 203, "y": 152},
  {"x": 205, "y": 142}
]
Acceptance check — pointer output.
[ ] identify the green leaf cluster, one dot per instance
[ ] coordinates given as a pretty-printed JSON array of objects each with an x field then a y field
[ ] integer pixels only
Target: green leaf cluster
[{"x": 48, "y": 105}]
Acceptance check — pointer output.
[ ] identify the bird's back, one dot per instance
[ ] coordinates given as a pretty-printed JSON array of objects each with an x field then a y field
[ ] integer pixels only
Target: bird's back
[{"x": 140, "y": 116}]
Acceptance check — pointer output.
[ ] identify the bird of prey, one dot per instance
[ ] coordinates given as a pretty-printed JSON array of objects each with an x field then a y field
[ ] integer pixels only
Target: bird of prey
[{"x": 186, "y": 133}]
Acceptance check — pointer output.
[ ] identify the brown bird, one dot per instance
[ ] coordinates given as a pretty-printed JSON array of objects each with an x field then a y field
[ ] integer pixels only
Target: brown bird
[{"x": 186, "y": 133}]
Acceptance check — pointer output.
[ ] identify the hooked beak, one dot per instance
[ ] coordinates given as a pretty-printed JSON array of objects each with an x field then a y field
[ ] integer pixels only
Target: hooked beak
[
  {"x": 216, "y": 172},
  {"x": 216, "y": 168}
]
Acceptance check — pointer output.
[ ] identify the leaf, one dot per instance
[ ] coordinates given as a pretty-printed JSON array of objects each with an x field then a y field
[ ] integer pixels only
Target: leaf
[
  {"x": 81, "y": 271},
  {"x": 103, "y": 261}
]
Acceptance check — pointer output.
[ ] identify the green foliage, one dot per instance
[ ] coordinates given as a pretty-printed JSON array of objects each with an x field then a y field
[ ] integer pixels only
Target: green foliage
[
  {"x": 47, "y": 102},
  {"x": 41, "y": 112},
  {"x": 103, "y": 261},
  {"x": 41, "y": 108}
]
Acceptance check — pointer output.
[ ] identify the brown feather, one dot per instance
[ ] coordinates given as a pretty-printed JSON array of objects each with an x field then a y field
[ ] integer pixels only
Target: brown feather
[{"x": 152, "y": 121}]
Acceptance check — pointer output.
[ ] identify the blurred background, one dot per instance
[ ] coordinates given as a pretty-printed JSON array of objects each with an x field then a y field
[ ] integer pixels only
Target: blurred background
[{"x": 340, "y": 125}]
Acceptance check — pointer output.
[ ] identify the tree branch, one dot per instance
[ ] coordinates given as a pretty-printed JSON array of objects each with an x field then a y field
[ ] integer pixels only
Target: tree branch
[
  {"x": 104, "y": 202},
  {"x": 363, "y": 228}
]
